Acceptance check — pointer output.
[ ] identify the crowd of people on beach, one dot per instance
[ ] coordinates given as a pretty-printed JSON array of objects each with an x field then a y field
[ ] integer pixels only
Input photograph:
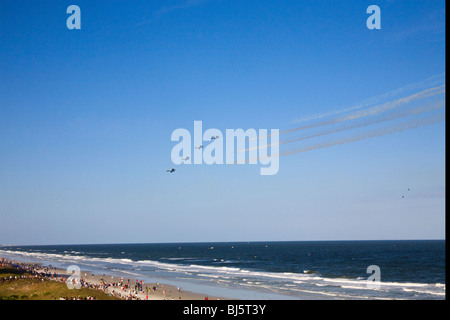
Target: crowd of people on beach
[
  {"x": 33, "y": 271},
  {"x": 122, "y": 289}
]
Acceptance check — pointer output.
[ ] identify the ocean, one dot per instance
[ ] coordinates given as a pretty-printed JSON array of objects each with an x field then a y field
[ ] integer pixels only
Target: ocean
[{"x": 404, "y": 269}]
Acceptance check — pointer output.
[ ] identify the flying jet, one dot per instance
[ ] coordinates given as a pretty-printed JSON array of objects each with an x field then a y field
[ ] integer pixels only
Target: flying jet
[
  {"x": 199, "y": 147},
  {"x": 171, "y": 170},
  {"x": 214, "y": 138},
  {"x": 185, "y": 158}
]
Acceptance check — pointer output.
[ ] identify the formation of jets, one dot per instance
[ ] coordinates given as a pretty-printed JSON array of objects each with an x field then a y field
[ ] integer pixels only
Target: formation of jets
[{"x": 187, "y": 158}]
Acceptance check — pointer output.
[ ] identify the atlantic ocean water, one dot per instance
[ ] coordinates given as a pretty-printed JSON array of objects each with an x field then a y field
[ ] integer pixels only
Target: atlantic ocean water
[{"x": 407, "y": 269}]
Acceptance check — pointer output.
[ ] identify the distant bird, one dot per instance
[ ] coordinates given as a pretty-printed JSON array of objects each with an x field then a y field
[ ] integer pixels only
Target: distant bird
[
  {"x": 408, "y": 190},
  {"x": 171, "y": 170}
]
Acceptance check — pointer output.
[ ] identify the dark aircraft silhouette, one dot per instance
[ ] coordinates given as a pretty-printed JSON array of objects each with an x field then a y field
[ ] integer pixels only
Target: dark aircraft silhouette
[{"x": 171, "y": 170}]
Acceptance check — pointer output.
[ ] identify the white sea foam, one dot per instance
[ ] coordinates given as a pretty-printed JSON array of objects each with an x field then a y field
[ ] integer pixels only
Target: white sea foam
[
  {"x": 437, "y": 293},
  {"x": 128, "y": 272}
]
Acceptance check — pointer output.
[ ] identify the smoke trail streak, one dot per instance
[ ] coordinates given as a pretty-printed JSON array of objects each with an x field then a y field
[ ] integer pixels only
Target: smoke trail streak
[
  {"x": 385, "y": 117},
  {"x": 375, "y": 110},
  {"x": 431, "y": 81},
  {"x": 370, "y": 134},
  {"x": 370, "y": 111}
]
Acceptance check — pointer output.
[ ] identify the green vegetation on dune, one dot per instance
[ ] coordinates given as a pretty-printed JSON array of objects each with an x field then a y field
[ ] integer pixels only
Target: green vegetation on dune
[{"x": 18, "y": 285}]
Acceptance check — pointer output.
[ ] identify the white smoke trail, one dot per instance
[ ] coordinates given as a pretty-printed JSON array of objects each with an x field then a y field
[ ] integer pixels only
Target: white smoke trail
[
  {"x": 429, "y": 82},
  {"x": 383, "y": 112},
  {"x": 370, "y": 134},
  {"x": 375, "y": 110},
  {"x": 367, "y": 122},
  {"x": 430, "y": 92}
]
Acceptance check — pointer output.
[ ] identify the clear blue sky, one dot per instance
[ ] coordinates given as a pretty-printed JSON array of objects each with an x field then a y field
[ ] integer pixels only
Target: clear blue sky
[{"x": 86, "y": 118}]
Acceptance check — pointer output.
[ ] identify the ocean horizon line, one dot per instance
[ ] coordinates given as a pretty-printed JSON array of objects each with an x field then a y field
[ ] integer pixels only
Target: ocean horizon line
[{"x": 216, "y": 242}]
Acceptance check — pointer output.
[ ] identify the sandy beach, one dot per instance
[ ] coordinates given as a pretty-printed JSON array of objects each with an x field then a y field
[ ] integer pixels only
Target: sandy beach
[
  {"x": 137, "y": 289},
  {"x": 125, "y": 288}
]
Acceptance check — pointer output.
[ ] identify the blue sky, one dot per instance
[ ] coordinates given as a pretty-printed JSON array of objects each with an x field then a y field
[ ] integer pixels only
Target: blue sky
[{"x": 86, "y": 118}]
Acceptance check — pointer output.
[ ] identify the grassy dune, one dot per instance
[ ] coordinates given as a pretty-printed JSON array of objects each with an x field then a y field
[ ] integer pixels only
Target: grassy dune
[{"x": 37, "y": 289}]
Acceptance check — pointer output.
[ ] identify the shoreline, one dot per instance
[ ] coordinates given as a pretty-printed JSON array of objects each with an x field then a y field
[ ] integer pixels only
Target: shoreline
[{"x": 125, "y": 288}]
